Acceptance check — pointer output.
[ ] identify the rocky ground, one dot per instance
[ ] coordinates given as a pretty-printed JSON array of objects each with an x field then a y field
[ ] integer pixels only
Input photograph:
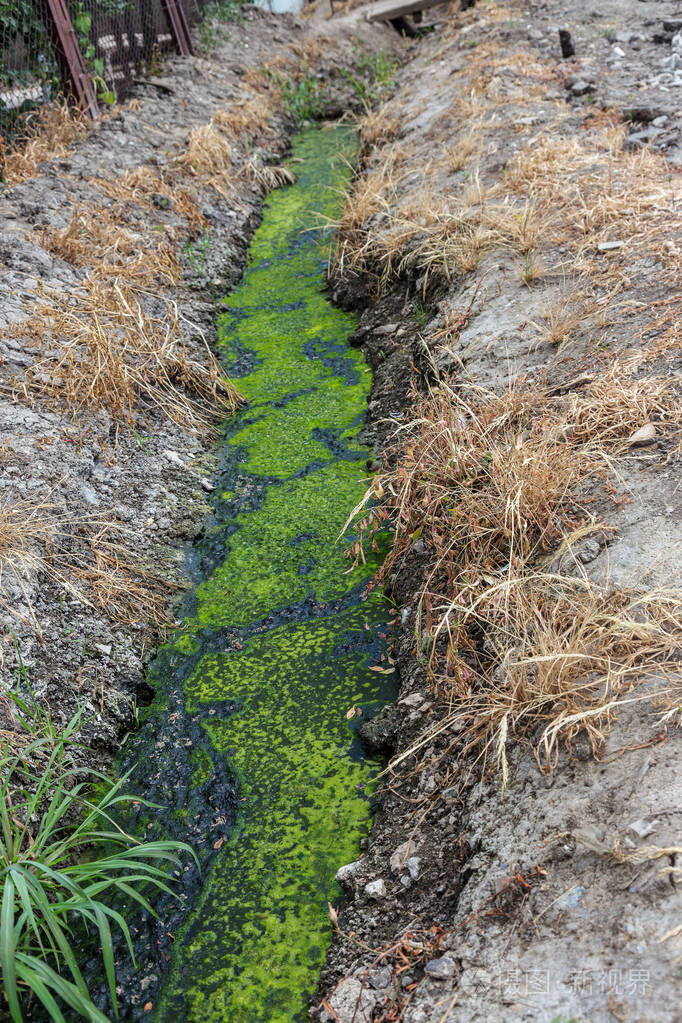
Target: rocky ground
[{"x": 514, "y": 238}]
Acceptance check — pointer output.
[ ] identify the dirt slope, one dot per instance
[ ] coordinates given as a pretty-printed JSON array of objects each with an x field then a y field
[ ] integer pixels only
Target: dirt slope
[
  {"x": 139, "y": 228},
  {"x": 517, "y": 251}
]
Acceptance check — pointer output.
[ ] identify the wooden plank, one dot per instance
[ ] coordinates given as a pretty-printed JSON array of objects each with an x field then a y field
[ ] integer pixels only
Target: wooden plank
[{"x": 388, "y": 9}]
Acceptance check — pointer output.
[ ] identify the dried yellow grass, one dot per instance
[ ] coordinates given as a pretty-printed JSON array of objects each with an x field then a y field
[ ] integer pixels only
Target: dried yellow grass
[
  {"x": 104, "y": 350},
  {"x": 50, "y": 132},
  {"x": 94, "y": 561},
  {"x": 209, "y": 156},
  {"x": 491, "y": 485},
  {"x": 96, "y": 236}
]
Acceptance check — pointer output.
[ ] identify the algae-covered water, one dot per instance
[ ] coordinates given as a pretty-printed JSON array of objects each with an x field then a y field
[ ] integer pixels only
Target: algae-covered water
[{"x": 279, "y": 640}]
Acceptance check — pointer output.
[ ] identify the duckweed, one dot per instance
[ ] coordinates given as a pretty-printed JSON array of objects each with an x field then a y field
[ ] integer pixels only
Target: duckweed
[{"x": 280, "y": 640}]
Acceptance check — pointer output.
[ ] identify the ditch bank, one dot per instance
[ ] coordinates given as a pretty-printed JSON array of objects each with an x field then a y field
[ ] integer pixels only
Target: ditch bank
[
  {"x": 515, "y": 246},
  {"x": 106, "y": 474}
]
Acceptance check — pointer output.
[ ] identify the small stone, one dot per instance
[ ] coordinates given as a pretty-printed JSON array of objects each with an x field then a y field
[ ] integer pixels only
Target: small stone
[
  {"x": 440, "y": 969},
  {"x": 645, "y": 435},
  {"x": 589, "y": 550},
  {"x": 386, "y": 328},
  {"x": 381, "y": 979},
  {"x": 413, "y": 865},
  {"x": 345, "y": 874},
  {"x": 581, "y": 87},
  {"x": 173, "y": 456},
  {"x": 617, "y": 52},
  {"x": 609, "y": 246},
  {"x": 643, "y": 828},
  {"x": 375, "y": 889},
  {"x": 351, "y": 1002},
  {"x": 566, "y": 43},
  {"x": 401, "y": 855},
  {"x": 412, "y": 700},
  {"x": 207, "y": 485},
  {"x": 104, "y": 648},
  {"x": 89, "y": 495}
]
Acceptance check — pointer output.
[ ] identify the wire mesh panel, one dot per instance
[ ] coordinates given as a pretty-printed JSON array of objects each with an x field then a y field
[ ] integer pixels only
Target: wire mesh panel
[
  {"x": 119, "y": 39},
  {"x": 29, "y": 72}
]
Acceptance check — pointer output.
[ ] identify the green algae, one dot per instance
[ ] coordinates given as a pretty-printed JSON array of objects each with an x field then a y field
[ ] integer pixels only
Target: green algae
[
  {"x": 258, "y": 940},
  {"x": 280, "y": 640}
]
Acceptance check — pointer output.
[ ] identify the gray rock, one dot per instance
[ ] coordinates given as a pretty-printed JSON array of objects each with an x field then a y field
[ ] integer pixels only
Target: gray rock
[
  {"x": 386, "y": 328},
  {"x": 589, "y": 550},
  {"x": 89, "y": 495},
  {"x": 609, "y": 246},
  {"x": 351, "y": 1002},
  {"x": 345, "y": 874},
  {"x": 581, "y": 87},
  {"x": 440, "y": 969},
  {"x": 413, "y": 866},
  {"x": 401, "y": 855},
  {"x": 375, "y": 889}
]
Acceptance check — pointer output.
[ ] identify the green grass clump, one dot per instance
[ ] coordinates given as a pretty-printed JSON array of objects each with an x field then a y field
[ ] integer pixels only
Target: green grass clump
[{"x": 63, "y": 859}]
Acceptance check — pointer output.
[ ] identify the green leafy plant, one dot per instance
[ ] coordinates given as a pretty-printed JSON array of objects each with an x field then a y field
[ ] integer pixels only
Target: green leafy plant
[
  {"x": 82, "y": 23},
  {"x": 301, "y": 96},
  {"x": 196, "y": 252},
  {"x": 221, "y": 12},
  {"x": 376, "y": 76},
  {"x": 63, "y": 859}
]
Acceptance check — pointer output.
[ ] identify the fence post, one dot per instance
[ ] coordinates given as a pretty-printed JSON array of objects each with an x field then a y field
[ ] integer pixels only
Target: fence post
[
  {"x": 73, "y": 71},
  {"x": 179, "y": 26}
]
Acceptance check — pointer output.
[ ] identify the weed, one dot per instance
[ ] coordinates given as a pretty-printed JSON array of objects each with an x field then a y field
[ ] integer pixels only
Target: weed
[
  {"x": 214, "y": 15},
  {"x": 62, "y": 859},
  {"x": 376, "y": 77},
  {"x": 301, "y": 96},
  {"x": 196, "y": 252}
]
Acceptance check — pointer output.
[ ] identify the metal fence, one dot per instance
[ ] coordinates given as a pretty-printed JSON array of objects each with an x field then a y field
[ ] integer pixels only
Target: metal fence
[{"x": 89, "y": 50}]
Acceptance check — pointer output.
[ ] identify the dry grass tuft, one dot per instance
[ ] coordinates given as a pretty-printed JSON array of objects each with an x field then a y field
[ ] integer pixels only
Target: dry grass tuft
[
  {"x": 104, "y": 350},
  {"x": 209, "y": 156},
  {"x": 267, "y": 177},
  {"x": 377, "y": 128},
  {"x": 93, "y": 561},
  {"x": 50, "y": 132},
  {"x": 560, "y": 657},
  {"x": 492, "y": 487},
  {"x": 95, "y": 237},
  {"x": 567, "y": 311}
]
